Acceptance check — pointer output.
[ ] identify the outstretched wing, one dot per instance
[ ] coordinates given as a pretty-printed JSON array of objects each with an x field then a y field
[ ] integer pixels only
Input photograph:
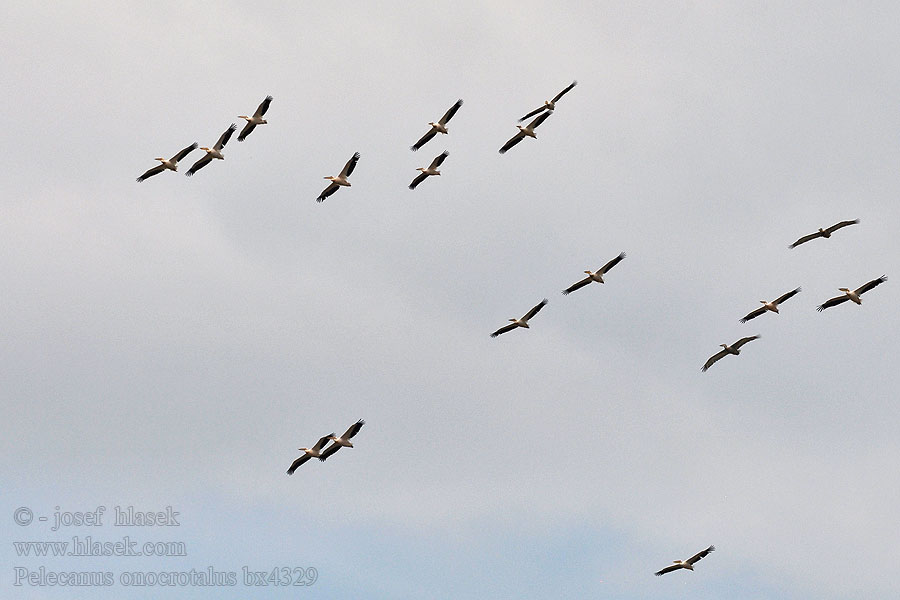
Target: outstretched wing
[
  {"x": 331, "y": 450},
  {"x": 199, "y": 164},
  {"x": 424, "y": 139},
  {"x": 832, "y": 302},
  {"x": 806, "y": 238},
  {"x": 712, "y": 359},
  {"x": 699, "y": 555},
  {"x": 535, "y": 310},
  {"x": 450, "y": 112},
  {"x": 419, "y": 179},
  {"x": 151, "y": 172},
  {"x": 534, "y": 112},
  {"x": 668, "y": 569},
  {"x": 504, "y": 329},
  {"x": 354, "y": 429},
  {"x": 263, "y": 107},
  {"x": 563, "y": 93},
  {"x": 249, "y": 127},
  {"x": 223, "y": 139},
  {"x": 612, "y": 263},
  {"x": 754, "y": 314},
  {"x": 577, "y": 286},
  {"x": 180, "y": 156},
  {"x": 837, "y": 226},
  {"x": 868, "y": 286},
  {"x": 512, "y": 142},
  {"x": 297, "y": 463},
  {"x": 784, "y": 297},
  {"x": 327, "y": 192},
  {"x": 322, "y": 442},
  {"x": 439, "y": 159},
  {"x": 351, "y": 164},
  {"x": 540, "y": 119},
  {"x": 743, "y": 341}
]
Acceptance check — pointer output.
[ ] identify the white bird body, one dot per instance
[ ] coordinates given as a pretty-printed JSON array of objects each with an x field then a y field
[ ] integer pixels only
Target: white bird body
[
  {"x": 256, "y": 119},
  {"x": 170, "y": 164},
  {"x": 852, "y": 295},
  {"x": 549, "y": 104},
  {"x": 595, "y": 275},
  {"x": 214, "y": 152},
  {"x": 521, "y": 322},
  {"x": 734, "y": 349},
  {"x": 308, "y": 453},
  {"x": 769, "y": 306},
  {"x": 526, "y": 131},
  {"x": 339, "y": 180},
  {"x": 438, "y": 127},
  {"x": 430, "y": 170},
  {"x": 685, "y": 564}
]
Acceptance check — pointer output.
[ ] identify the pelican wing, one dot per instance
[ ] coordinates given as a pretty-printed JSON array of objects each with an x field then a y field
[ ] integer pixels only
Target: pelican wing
[
  {"x": 263, "y": 107},
  {"x": 832, "y": 302},
  {"x": 837, "y": 226},
  {"x": 450, "y": 112},
  {"x": 322, "y": 442},
  {"x": 535, "y": 310},
  {"x": 512, "y": 142},
  {"x": 712, "y": 359},
  {"x": 576, "y": 286},
  {"x": 806, "y": 238},
  {"x": 424, "y": 139},
  {"x": 354, "y": 429},
  {"x": 151, "y": 172},
  {"x": 331, "y": 450},
  {"x": 248, "y": 128},
  {"x": 438, "y": 160},
  {"x": 180, "y": 156},
  {"x": 563, "y": 93},
  {"x": 351, "y": 164},
  {"x": 199, "y": 164},
  {"x": 612, "y": 263},
  {"x": 419, "y": 179},
  {"x": 223, "y": 139},
  {"x": 754, "y": 314},
  {"x": 668, "y": 569},
  {"x": 327, "y": 192},
  {"x": 504, "y": 329},
  {"x": 868, "y": 286},
  {"x": 699, "y": 555},
  {"x": 534, "y": 112},
  {"x": 298, "y": 462},
  {"x": 743, "y": 341},
  {"x": 784, "y": 297},
  {"x": 540, "y": 119}
]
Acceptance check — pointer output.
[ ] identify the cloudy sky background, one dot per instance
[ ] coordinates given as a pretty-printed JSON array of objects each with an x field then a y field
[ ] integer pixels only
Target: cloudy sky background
[{"x": 173, "y": 342}]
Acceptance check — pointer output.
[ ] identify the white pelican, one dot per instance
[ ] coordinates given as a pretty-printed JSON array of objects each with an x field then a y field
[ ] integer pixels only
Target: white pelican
[
  {"x": 308, "y": 453},
  {"x": 171, "y": 164},
  {"x": 825, "y": 233},
  {"x": 595, "y": 275},
  {"x": 549, "y": 104},
  {"x": 528, "y": 130},
  {"x": 343, "y": 441},
  {"x": 735, "y": 349},
  {"x": 431, "y": 169},
  {"x": 214, "y": 152},
  {"x": 685, "y": 564},
  {"x": 341, "y": 179},
  {"x": 439, "y": 127},
  {"x": 772, "y": 306},
  {"x": 523, "y": 322},
  {"x": 852, "y": 294},
  {"x": 256, "y": 119}
]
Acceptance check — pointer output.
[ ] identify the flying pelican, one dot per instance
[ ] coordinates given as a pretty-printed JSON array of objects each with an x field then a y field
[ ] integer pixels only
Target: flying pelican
[
  {"x": 432, "y": 169},
  {"x": 341, "y": 179},
  {"x": 256, "y": 119},
  {"x": 685, "y": 564},
  {"x": 343, "y": 441},
  {"x": 439, "y": 127},
  {"x": 528, "y": 130},
  {"x": 726, "y": 350},
  {"x": 214, "y": 152},
  {"x": 308, "y": 453},
  {"x": 825, "y": 233},
  {"x": 773, "y": 305},
  {"x": 595, "y": 275},
  {"x": 171, "y": 164},
  {"x": 852, "y": 295},
  {"x": 523, "y": 322},
  {"x": 549, "y": 104}
]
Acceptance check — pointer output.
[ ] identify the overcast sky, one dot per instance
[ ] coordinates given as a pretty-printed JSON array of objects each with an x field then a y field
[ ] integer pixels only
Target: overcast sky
[{"x": 173, "y": 342}]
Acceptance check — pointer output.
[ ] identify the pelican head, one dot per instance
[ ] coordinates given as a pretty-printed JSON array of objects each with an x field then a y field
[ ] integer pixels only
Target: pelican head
[{"x": 844, "y": 289}]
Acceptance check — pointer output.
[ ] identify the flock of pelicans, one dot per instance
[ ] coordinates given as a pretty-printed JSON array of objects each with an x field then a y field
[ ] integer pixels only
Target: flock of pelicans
[{"x": 321, "y": 449}]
